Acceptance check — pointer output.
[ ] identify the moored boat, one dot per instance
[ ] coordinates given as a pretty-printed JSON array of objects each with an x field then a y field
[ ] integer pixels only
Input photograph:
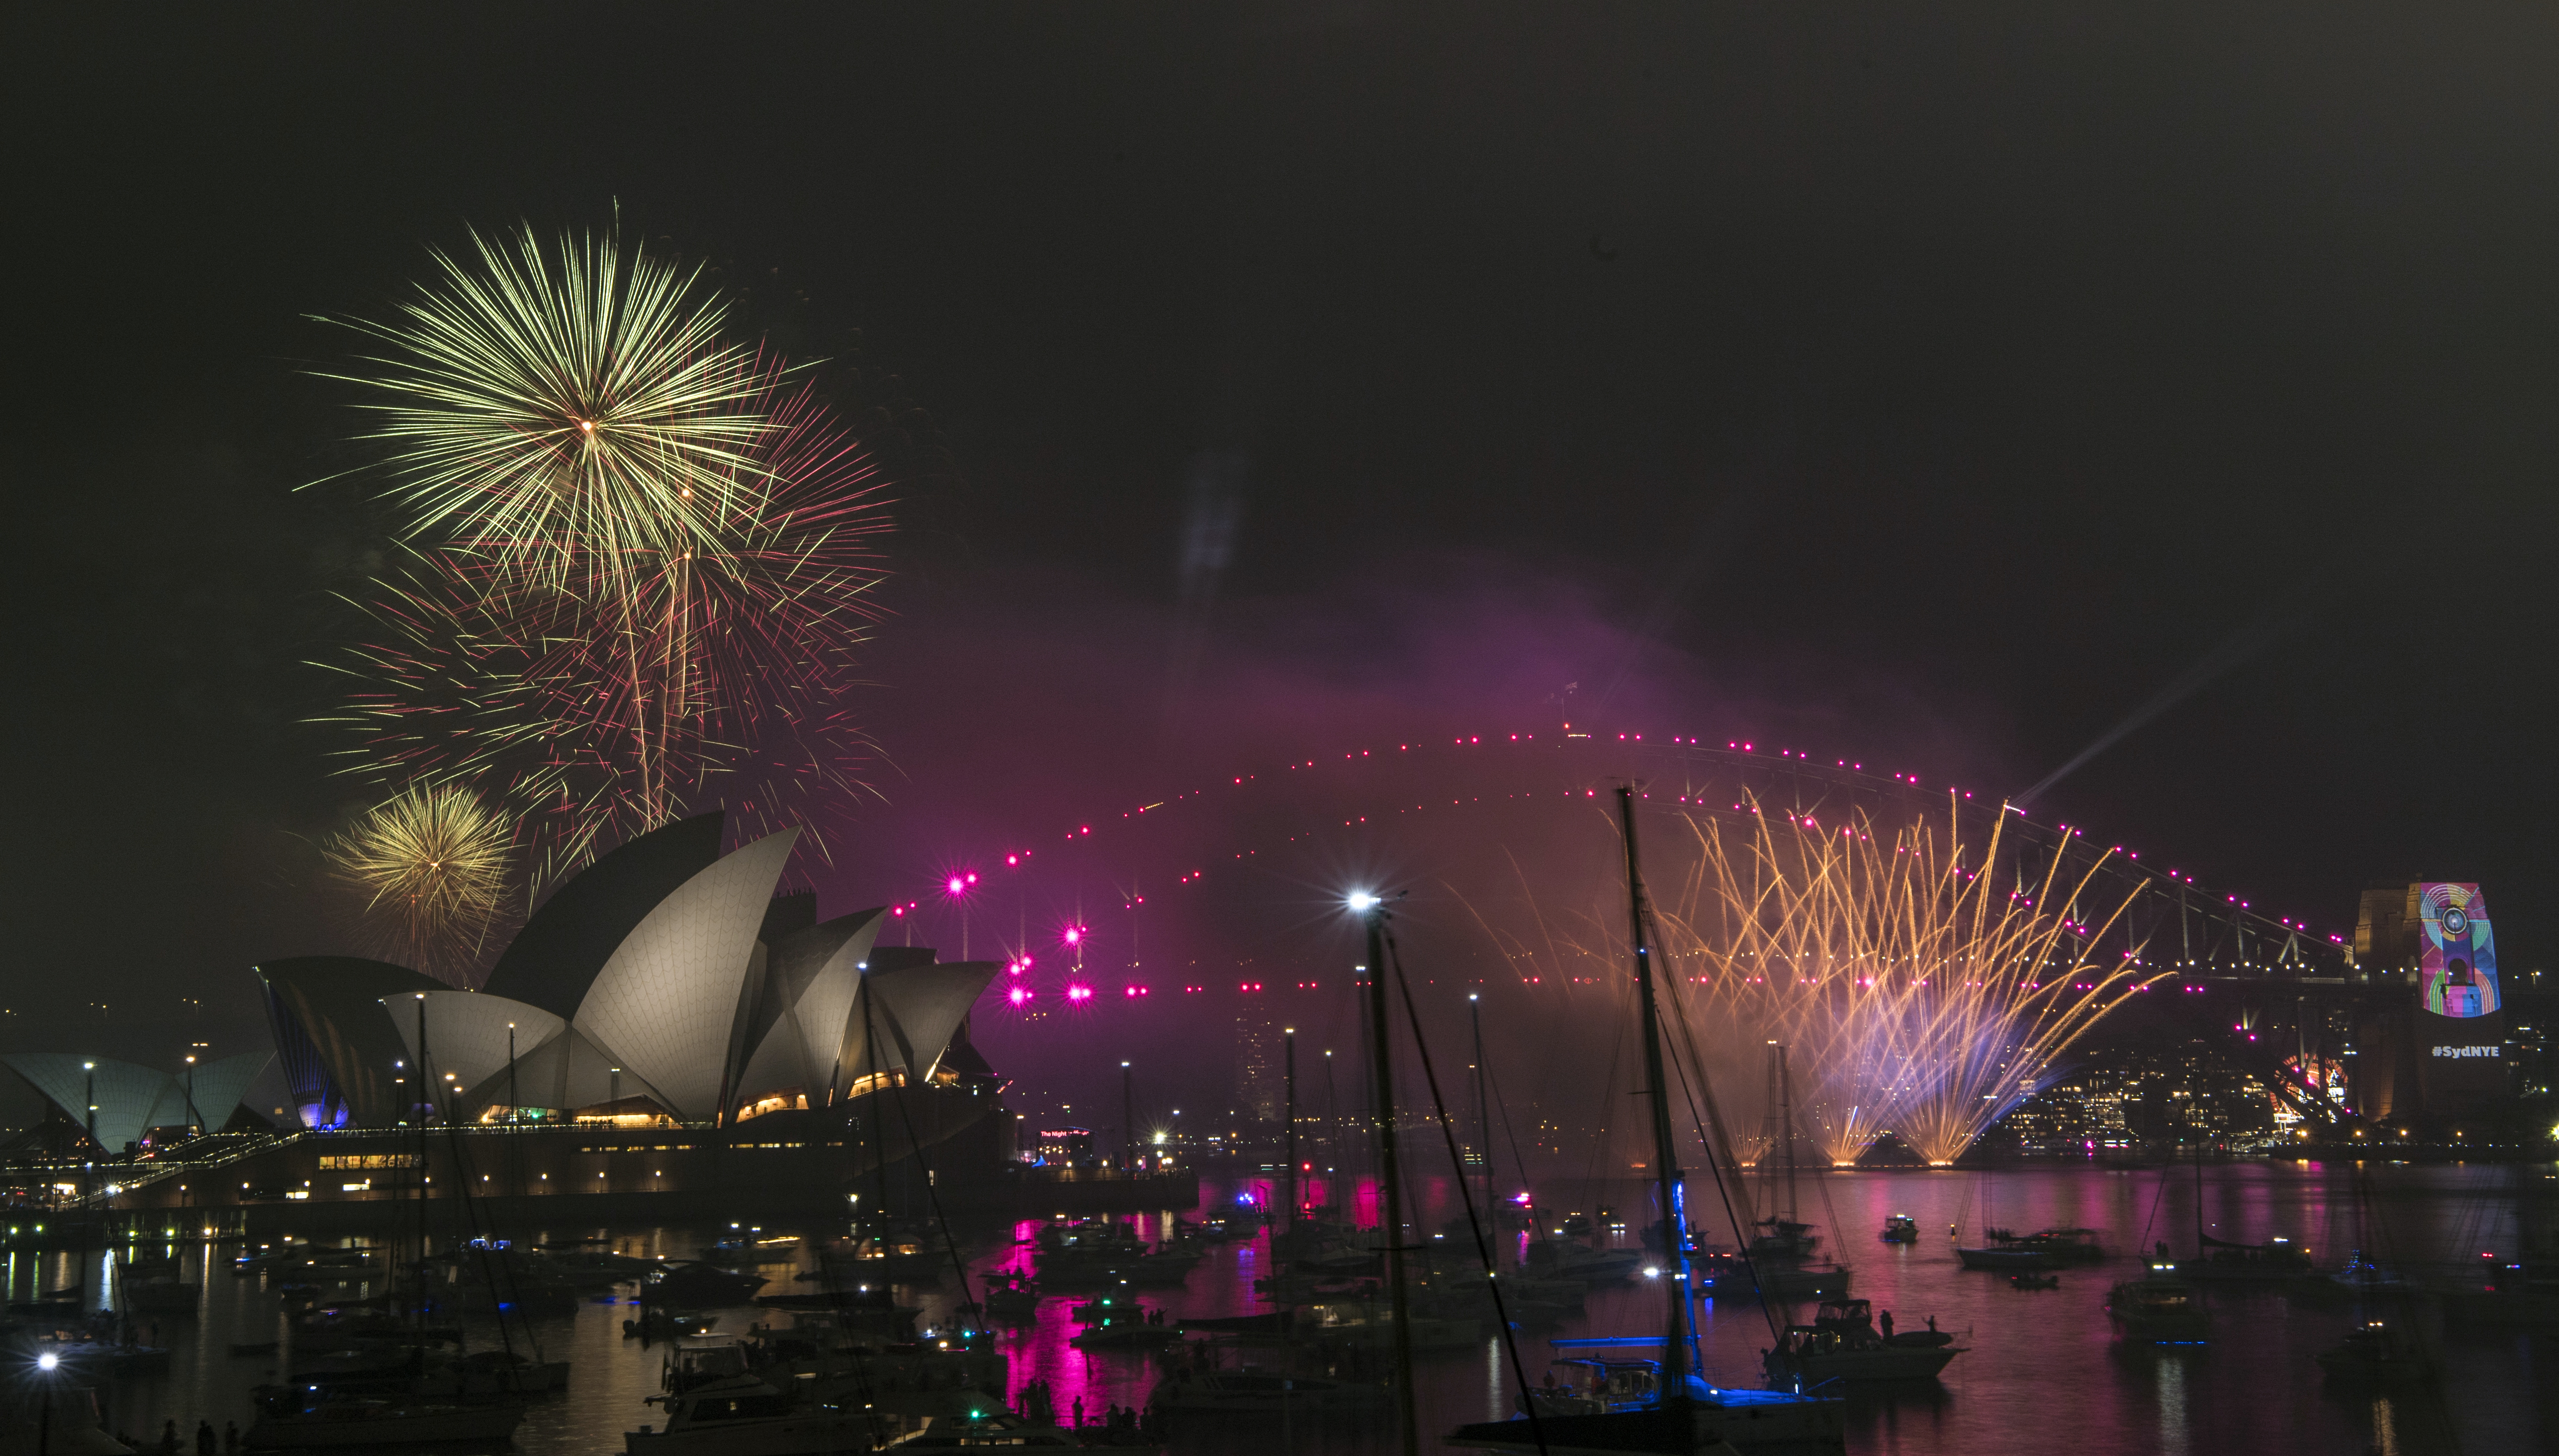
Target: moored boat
[
  {"x": 1843, "y": 1344},
  {"x": 2161, "y": 1309},
  {"x": 744, "y": 1417}
]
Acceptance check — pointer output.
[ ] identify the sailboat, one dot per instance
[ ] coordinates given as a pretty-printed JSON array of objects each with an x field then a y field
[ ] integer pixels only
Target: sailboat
[
  {"x": 1783, "y": 1259},
  {"x": 1676, "y": 1411}
]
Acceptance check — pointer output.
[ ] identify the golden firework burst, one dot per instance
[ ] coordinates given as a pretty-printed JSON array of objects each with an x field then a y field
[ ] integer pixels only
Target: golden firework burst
[{"x": 432, "y": 862}]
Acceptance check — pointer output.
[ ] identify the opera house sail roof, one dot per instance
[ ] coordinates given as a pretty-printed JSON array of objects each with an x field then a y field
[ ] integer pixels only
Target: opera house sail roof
[
  {"x": 664, "y": 970},
  {"x": 121, "y": 1101}
]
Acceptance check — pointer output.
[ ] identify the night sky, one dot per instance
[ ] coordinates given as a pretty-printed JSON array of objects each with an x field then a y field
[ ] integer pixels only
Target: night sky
[{"x": 1269, "y": 383}]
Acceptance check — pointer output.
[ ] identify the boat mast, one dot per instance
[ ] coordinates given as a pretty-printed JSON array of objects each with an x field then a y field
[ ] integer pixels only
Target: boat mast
[
  {"x": 2198, "y": 1200},
  {"x": 1385, "y": 1120},
  {"x": 1483, "y": 1118},
  {"x": 1786, "y": 1129},
  {"x": 1675, "y": 1360},
  {"x": 1289, "y": 1042}
]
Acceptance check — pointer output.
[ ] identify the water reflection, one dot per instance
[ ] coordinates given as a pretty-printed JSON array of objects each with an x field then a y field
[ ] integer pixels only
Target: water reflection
[{"x": 2043, "y": 1373}]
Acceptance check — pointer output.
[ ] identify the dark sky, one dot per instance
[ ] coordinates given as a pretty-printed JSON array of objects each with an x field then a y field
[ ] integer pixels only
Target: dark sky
[{"x": 1939, "y": 387}]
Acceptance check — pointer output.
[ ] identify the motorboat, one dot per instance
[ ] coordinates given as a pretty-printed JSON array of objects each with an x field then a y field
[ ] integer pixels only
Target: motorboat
[
  {"x": 1842, "y": 1344},
  {"x": 2009, "y": 1254},
  {"x": 1564, "y": 1258},
  {"x": 2360, "y": 1281},
  {"x": 1010, "y": 1298},
  {"x": 1901, "y": 1229},
  {"x": 2162, "y": 1309},
  {"x": 1731, "y": 1276},
  {"x": 2379, "y": 1353},
  {"x": 2273, "y": 1261},
  {"x": 1368, "y": 1325},
  {"x": 597, "y": 1268},
  {"x": 2068, "y": 1246},
  {"x": 745, "y": 1417},
  {"x": 700, "y": 1286}
]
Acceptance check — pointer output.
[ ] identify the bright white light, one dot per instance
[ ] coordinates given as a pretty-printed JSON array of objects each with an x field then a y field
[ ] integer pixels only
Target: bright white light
[
  {"x": 47, "y": 1361},
  {"x": 1362, "y": 900}
]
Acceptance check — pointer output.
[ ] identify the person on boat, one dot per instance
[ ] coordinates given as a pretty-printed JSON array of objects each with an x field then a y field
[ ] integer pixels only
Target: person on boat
[
  {"x": 169, "y": 1438},
  {"x": 1932, "y": 1324},
  {"x": 1887, "y": 1327}
]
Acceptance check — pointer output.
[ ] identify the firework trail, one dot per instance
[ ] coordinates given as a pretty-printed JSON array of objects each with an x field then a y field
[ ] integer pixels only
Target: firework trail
[
  {"x": 642, "y": 557},
  {"x": 1920, "y": 997},
  {"x": 433, "y": 862}
]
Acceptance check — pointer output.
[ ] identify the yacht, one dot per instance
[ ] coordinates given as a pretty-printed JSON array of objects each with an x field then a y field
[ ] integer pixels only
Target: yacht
[
  {"x": 2223, "y": 1262},
  {"x": 1842, "y": 1344},
  {"x": 2008, "y": 1253},
  {"x": 2161, "y": 1309},
  {"x": 1730, "y": 1276},
  {"x": 744, "y": 1417},
  {"x": 1901, "y": 1229}
]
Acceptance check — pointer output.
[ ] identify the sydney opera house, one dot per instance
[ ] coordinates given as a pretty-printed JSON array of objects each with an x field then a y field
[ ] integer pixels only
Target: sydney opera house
[{"x": 663, "y": 1026}]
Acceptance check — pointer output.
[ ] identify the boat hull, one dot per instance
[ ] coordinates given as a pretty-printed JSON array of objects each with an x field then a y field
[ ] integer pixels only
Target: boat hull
[
  {"x": 2007, "y": 1261},
  {"x": 1889, "y": 1363},
  {"x": 1744, "y": 1422}
]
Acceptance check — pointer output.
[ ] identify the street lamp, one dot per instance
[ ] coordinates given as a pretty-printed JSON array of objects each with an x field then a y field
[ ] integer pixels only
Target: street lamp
[{"x": 46, "y": 1364}]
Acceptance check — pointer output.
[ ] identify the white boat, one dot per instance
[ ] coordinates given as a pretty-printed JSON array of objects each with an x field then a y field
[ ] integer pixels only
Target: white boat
[{"x": 339, "y": 1423}]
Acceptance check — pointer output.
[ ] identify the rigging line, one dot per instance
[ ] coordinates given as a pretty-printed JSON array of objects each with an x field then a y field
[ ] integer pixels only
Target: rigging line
[
  {"x": 1510, "y": 1134},
  {"x": 469, "y": 1214},
  {"x": 1475, "y": 1226},
  {"x": 932, "y": 1196},
  {"x": 1714, "y": 1132},
  {"x": 1723, "y": 1195}
]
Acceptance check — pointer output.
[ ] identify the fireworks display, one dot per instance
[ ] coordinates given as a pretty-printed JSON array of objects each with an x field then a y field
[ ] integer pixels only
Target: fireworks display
[
  {"x": 432, "y": 861},
  {"x": 643, "y": 555},
  {"x": 1917, "y": 994}
]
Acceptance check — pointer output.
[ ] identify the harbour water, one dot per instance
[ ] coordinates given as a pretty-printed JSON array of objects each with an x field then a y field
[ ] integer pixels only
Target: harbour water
[{"x": 2042, "y": 1373}]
